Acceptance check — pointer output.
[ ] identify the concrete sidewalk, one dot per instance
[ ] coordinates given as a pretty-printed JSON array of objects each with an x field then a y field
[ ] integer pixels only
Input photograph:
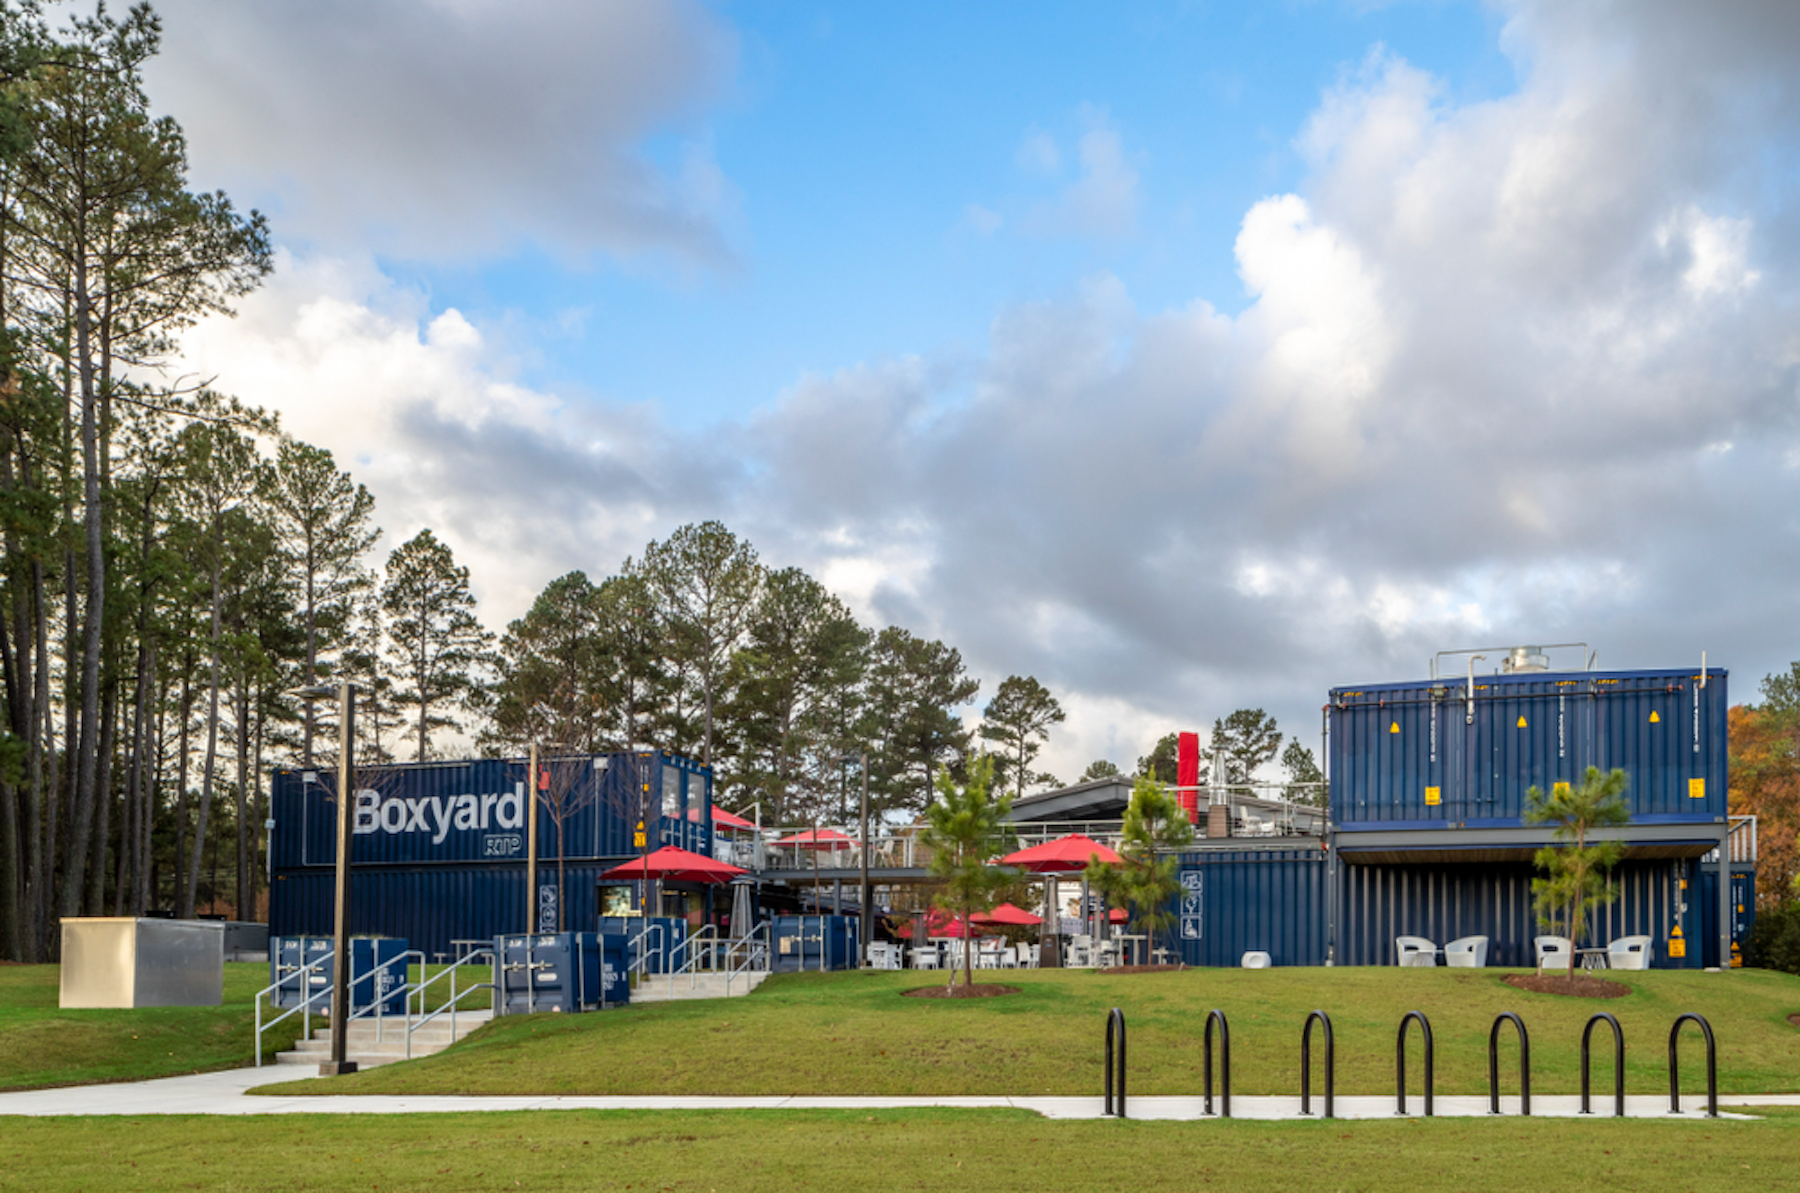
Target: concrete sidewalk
[{"x": 226, "y": 1093}]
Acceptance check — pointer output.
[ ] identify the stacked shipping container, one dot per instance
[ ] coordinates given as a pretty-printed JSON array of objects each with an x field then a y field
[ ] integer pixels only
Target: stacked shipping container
[{"x": 438, "y": 850}]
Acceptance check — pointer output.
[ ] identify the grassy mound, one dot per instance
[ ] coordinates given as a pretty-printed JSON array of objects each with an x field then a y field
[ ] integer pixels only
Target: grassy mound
[{"x": 853, "y": 1033}]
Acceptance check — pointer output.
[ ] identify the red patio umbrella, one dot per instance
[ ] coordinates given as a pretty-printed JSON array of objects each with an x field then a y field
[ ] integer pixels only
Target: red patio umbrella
[
  {"x": 1117, "y": 915},
  {"x": 1006, "y": 913},
  {"x": 820, "y": 838},
  {"x": 722, "y": 819},
  {"x": 1065, "y": 855},
  {"x": 941, "y": 923},
  {"x": 675, "y": 865}
]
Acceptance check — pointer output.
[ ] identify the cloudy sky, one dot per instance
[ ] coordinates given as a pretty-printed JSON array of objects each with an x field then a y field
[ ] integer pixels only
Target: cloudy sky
[{"x": 1188, "y": 356}]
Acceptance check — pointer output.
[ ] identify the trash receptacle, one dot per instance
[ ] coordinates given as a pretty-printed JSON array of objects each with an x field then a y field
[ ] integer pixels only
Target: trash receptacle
[{"x": 300, "y": 966}]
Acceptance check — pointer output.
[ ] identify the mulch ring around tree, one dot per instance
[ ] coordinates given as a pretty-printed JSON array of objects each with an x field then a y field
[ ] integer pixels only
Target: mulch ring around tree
[
  {"x": 1112, "y": 969},
  {"x": 958, "y": 990},
  {"x": 1794, "y": 1020},
  {"x": 1580, "y": 986}
]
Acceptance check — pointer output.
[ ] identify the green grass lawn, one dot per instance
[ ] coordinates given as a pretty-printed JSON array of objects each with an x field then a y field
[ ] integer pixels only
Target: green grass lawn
[
  {"x": 42, "y": 1045},
  {"x": 853, "y": 1033},
  {"x": 990, "y": 1151}
]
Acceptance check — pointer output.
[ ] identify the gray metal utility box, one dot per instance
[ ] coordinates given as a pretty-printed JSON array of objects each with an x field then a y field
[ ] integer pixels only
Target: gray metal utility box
[{"x": 122, "y": 961}]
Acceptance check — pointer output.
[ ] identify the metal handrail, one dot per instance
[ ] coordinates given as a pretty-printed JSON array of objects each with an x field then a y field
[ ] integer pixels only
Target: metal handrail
[
  {"x": 1400, "y": 1061},
  {"x": 1206, "y": 1063},
  {"x": 1115, "y": 1019},
  {"x": 752, "y": 950},
  {"x": 1618, "y": 1063},
  {"x": 1712, "y": 1066},
  {"x": 304, "y": 1007},
  {"x": 377, "y": 1005},
  {"x": 701, "y": 943},
  {"x": 1322, "y": 1018},
  {"x": 1524, "y": 1064},
  {"x": 640, "y": 954},
  {"x": 425, "y": 1017}
]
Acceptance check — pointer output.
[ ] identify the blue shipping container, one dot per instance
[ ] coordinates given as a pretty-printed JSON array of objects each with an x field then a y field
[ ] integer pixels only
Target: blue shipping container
[
  {"x": 1251, "y": 900},
  {"x": 1664, "y": 899},
  {"x": 1275, "y": 901},
  {"x": 438, "y": 853},
  {"x": 1443, "y": 753}
]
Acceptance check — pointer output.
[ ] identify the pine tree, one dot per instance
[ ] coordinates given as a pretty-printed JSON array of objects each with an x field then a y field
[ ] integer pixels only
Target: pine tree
[
  {"x": 435, "y": 644},
  {"x": 965, "y": 829},
  {"x": 323, "y": 520},
  {"x": 1576, "y": 881},
  {"x": 1018, "y": 721}
]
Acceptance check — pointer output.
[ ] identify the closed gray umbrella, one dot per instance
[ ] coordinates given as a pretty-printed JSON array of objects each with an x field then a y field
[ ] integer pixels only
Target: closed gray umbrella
[{"x": 742, "y": 921}]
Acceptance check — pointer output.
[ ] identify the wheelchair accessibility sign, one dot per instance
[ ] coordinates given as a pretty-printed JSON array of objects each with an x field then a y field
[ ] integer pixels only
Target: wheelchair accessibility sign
[{"x": 1190, "y": 904}]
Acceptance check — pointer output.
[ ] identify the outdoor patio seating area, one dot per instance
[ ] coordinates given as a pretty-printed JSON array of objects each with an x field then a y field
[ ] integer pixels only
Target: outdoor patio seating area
[{"x": 1549, "y": 953}]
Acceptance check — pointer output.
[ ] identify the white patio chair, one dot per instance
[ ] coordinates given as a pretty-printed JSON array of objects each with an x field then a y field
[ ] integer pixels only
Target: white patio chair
[
  {"x": 925, "y": 958},
  {"x": 1467, "y": 952},
  {"x": 1030, "y": 955},
  {"x": 1415, "y": 951},
  {"x": 1629, "y": 952},
  {"x": 1553, "y": 951},
  {"x": 1256, "y": 959}
]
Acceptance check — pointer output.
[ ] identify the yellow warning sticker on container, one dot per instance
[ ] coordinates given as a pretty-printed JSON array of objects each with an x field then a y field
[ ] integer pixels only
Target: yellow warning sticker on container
[
  {"x": 1521, "y": 720},
  {"x": 1655, "y": 717},
  {"x": 1433, "y": 797},
  {"x": 1677, "y": 947},
  {"x": 1696, "y": 788},
  {"x": 1560, "y": 787},
  {"x": 1394, "y": 728}
]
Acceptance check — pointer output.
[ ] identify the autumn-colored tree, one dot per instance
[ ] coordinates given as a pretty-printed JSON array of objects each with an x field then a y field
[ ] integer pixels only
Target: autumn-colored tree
[{"x": 1765, "y": 783}]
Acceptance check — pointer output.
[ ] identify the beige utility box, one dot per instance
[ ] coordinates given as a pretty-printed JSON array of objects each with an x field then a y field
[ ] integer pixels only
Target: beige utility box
[{"x": 123, "y": 961}]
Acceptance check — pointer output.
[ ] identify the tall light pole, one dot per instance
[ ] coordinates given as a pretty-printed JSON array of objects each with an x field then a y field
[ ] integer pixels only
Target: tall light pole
[
  {"x": 533, "y": 913},
  {"x": 862, "y": 934},
  {"x": 340, "y": 948},
  {"x": 531, "y": 841}
]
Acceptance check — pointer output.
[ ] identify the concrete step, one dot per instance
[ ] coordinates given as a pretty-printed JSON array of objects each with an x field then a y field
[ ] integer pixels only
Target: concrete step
[
  {"x": 686, "y": 986},
  {"x": 367, "y": 1050}
]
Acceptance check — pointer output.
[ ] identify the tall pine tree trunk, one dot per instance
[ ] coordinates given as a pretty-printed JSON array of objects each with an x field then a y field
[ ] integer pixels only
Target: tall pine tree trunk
[
  {"x": 242, "y": 892},
  {"x": 87, "y": 754},
  {"x": 212, "y": 735}
]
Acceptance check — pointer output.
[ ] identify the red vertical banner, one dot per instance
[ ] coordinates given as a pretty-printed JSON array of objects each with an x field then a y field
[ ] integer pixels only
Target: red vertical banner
[{"x": 1187, "y": 774}]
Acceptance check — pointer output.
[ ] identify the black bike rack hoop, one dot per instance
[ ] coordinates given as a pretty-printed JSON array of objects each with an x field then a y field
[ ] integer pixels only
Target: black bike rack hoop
[
  {"x": 1319, "y": 1017},
  {"x": 1494, "y": 1064},
  {"x": 1206, "y": 1062},
  {"x": 1618, "y": 1035},
  {"x": 1712, "y": 1065},
  {"x": 1115, "y": 1062},
  {"x": 1400, "y": 1061}
]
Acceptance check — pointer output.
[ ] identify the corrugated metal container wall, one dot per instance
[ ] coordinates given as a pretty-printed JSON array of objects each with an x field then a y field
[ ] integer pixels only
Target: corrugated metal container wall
[
  {"x": 449, "y": 812},
  {"x": 1442, "y": 903},
  {"x": 439, "y": 849},
  {"x": 1410, "y": 753},
  {"x": 1239, "y": 900}
]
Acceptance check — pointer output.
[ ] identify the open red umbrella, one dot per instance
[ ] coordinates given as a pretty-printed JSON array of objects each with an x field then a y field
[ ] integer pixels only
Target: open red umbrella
[
  {"x": 1065, "y": 855},
  {"x": 820, "y": 838},
  {"x": 1117, "y": 915},
  {"x": 675, "y": 865},
  {"x": 942, "y": 923},
  {"x": 722, "y": 819},
  {"x": 1006, "y": 913}
]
